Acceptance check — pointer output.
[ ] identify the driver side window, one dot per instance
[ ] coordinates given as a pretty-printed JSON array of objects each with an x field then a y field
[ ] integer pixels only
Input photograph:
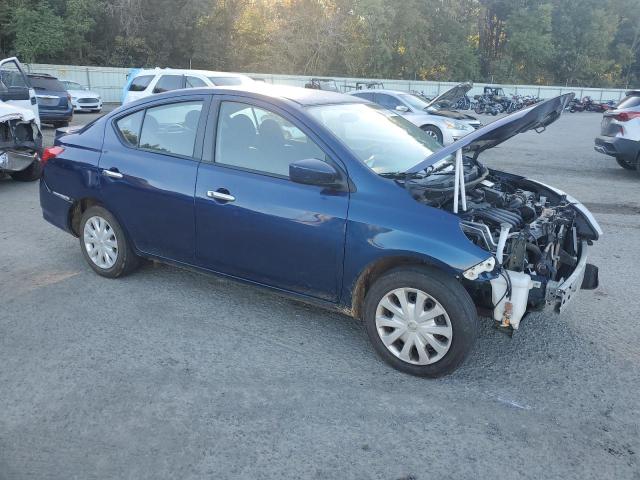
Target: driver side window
[
  {"x": 387, "y": 101},
  {"x": 259, "y": 140}
]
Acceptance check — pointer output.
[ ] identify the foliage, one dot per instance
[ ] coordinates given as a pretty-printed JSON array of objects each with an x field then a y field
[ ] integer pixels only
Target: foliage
[{"x": 573, "y": 42}]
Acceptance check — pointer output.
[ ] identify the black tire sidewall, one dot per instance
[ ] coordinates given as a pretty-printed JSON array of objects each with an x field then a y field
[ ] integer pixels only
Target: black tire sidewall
[
  {"x": 126, "y": 260},
  {"x": 29, "y": 174},
  {"x": 449, "y": 293},
  {"x": 436, "y": 130}
]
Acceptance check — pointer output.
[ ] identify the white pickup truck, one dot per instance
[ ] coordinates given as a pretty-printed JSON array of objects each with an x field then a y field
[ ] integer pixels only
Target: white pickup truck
[{"x": 20, "y": 135}]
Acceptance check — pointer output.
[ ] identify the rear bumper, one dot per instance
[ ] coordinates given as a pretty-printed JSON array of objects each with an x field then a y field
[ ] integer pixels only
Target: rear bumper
[
  {"x": 55, "y": 207},
  {"x": 56, "y": 115},
  {"x": 618, "y": 147}
]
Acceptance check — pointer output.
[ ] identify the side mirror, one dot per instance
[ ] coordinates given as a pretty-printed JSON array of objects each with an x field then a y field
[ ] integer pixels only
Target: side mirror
[
  {"x": 312, "y": 171},
  {"x": 402, "y": 108},
  {"x": 15, "y": 93}
]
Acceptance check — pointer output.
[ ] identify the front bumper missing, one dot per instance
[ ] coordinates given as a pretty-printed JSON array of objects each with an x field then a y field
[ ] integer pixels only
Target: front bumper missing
[
  {"x": 510, "y": 311},
  {"x": 560, "y": 293}
]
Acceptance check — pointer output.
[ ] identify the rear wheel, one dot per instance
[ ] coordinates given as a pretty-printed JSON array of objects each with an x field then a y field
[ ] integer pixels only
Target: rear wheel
[
  {"x": 29, "y": 174},
  {"x": 420, "y": 321},
  {"x": 104, "y": 244},
  {"x": 433, "y": 132}
]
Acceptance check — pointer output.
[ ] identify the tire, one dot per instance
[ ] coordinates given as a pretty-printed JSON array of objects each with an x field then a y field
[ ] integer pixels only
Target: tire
[
  {"x": 60, "y": 124},
  {"x": 125, "y": 262},
  {"x": 479, "y": 110},
  {"x": 627, "y": 165},
  {"x": 29, "y": 174},
  {"x": 459, "y": 321},
  {"x": 433, "y": 132}
]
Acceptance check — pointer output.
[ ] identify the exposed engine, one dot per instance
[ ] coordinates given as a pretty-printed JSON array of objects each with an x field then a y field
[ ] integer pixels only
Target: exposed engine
[{"x": 528, "y": 230}]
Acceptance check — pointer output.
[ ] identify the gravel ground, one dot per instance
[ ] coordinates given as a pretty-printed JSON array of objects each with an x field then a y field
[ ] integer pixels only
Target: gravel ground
[{"x": 172, "y": 374}]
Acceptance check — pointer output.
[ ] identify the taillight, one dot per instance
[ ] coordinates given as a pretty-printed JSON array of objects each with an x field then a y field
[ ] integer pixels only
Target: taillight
[
  {"x": 51, "y": 152},
  {"x": 626, "y": 116}
]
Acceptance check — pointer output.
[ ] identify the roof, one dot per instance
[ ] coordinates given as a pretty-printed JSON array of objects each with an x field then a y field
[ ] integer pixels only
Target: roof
[
  {"x": 299, "y": 95},
  {"x": 43, "y": 75},
  {"x": 185, "y": 71},
  {"x": 379, "y": 90}
]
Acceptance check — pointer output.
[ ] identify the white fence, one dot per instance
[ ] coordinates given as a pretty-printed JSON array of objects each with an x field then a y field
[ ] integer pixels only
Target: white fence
[{"x": 109, "y": 81}]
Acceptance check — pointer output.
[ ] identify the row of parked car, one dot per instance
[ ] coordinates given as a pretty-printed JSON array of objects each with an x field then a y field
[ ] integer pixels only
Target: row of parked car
[{"x": 436, "y": 117}]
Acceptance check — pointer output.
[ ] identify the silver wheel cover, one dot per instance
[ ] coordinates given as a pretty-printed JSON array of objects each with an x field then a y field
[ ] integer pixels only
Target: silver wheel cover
[
  {"x": 413, "y": 326},
  {"x": 100, "y": 242},
  {"x": 432, "y": 134}
]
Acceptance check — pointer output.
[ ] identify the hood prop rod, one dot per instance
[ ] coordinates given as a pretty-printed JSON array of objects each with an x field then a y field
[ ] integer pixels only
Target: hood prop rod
[{"x": 459, "y": 185}]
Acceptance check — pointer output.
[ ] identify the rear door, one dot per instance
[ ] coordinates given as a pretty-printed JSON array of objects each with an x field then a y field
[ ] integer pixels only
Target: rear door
[
  {"x": 148, "y": 173},
  {"x": 252, "y": 222},
  {"x": 15, "y": 88}
]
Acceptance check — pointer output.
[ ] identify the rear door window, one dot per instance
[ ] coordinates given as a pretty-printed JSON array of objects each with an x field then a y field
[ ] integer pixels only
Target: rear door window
[
  {"x": 171, "y": 128},
  {"x": 139, "y": 84},
  {"x": 194, "y": 82},
  {"x": 129, "y": 128},
  {"x": 167, "y": 83}
]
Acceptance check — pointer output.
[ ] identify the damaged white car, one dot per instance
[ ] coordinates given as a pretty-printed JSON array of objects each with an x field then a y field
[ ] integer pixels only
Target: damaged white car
[{"x": 20, "y": 135}]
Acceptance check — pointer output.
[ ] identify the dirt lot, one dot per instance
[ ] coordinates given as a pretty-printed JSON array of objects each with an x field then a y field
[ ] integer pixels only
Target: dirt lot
[{"x": 172, "y": 374}]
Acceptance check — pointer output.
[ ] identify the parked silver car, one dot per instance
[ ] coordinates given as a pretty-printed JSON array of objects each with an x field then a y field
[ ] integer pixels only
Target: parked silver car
[
  {"x": 620, "y": 132},
  {"x": 444, "y": 125}
]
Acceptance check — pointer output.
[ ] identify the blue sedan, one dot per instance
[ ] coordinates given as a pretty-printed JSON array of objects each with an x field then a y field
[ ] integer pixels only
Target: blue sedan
[{"x": 330, "y": 199}]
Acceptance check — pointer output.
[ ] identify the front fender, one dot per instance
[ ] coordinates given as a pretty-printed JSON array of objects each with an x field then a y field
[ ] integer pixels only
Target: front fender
[{"x": 404, "y": 228}]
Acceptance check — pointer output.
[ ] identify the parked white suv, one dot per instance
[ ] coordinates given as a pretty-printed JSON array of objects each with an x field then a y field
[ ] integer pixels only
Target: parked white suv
[
  {"x": 147, "y": 82},
  {"x": 620, "y": 135}
]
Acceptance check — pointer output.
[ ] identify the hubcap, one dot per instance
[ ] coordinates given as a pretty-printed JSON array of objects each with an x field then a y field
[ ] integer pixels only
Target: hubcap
[
  {"x": 413, "y": 326},
  {"x": 431, "y": 133},
  {"x": 101, "y": 242}
]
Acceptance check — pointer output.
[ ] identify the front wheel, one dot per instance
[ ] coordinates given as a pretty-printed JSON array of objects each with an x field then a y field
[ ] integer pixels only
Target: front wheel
[
  {"x": 420, "y": 321},
  {"x": 104, "y": 244},
  {"x": 433, "y": 132}
]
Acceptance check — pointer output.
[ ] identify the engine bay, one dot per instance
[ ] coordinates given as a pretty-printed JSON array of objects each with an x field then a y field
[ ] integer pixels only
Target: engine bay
[{"x": 527, "y": 229}]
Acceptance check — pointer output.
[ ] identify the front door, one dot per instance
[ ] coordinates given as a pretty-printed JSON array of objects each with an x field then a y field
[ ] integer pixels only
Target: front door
[
  {"x": 148, "y": 171},
  {"x": 15, "y": 88},
  {"x": 252, "y": 222}
]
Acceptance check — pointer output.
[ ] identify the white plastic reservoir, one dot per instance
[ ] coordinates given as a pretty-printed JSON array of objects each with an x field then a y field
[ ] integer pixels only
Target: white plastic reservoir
[{"x": 521, "y": 283}]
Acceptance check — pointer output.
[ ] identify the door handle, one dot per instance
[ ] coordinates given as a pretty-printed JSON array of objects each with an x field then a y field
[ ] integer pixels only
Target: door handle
[
  {"x": 112, "y": 173},
  {"x": 225, "y": 197}
]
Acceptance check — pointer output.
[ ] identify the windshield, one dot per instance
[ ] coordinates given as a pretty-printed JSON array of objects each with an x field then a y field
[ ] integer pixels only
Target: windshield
[
  {"x": 46, "y": 83},
  {"x": 382, "y": 140},
  {"x": 225, "y": 81}
]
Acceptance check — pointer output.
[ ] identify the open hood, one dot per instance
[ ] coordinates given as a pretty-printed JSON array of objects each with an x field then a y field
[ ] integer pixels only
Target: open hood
[
  {"x": 536, "y": 117},
  {"x": 451, "y": 96}
]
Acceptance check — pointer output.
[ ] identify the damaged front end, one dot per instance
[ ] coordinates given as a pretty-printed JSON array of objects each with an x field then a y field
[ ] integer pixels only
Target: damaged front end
[
  {"x": 537, "y": 236},
  {"x": 20, "y": 142}
]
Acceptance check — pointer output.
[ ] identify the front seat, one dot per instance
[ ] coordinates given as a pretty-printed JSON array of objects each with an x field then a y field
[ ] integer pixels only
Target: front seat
[
  {"x": 273, "y": 151},
  {"x": 237, "y": 137}
]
